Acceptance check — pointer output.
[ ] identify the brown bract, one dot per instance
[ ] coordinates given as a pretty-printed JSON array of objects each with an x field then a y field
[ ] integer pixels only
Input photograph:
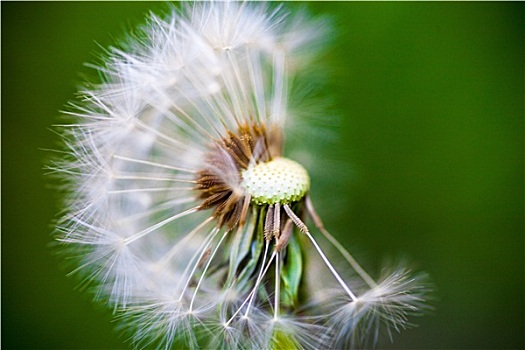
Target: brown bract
[{"x": 219, "y": 183}]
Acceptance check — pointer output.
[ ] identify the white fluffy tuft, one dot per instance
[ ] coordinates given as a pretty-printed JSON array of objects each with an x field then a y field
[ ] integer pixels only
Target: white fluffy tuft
[{"x": 135, "y": 153}]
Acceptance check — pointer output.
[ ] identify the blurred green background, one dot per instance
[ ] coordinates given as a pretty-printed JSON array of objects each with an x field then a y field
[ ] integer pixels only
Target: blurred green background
[{"x": 430, "y": 140}]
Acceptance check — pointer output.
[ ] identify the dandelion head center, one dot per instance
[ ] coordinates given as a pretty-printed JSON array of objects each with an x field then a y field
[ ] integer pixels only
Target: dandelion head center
[
  {"x": 219, "y": 182},
  {"x": 280, "y": 180}
]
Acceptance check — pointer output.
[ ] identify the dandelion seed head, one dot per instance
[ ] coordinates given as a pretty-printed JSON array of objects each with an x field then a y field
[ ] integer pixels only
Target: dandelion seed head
[{"x": 186, "y": 214}]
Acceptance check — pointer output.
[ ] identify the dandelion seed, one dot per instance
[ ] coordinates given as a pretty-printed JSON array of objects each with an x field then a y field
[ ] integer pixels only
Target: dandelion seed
[{"x": 185, "y": 213}]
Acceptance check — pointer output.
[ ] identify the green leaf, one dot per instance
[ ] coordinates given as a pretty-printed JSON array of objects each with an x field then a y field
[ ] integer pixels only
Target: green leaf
[
  {"x": 291, "y": 272},
  {"x": 245, "y": 276},
  {"x": 240, "y": 247},
  {"x": 284, "y": 341}
]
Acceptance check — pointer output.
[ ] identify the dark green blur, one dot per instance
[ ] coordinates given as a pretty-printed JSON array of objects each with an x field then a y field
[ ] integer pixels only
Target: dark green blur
[{"x": 429, "y": 160}]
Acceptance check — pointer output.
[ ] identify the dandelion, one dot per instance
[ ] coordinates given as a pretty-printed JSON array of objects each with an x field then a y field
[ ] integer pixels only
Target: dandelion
[{"x": 185, "y": 214}]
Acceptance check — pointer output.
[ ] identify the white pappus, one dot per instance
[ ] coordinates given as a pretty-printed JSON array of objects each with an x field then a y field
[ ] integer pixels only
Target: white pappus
[{"x": 184, "y": 213}]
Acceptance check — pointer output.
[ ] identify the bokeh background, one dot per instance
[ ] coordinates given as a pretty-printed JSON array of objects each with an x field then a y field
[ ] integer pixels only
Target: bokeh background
[{"x": 429, "y": 146}]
